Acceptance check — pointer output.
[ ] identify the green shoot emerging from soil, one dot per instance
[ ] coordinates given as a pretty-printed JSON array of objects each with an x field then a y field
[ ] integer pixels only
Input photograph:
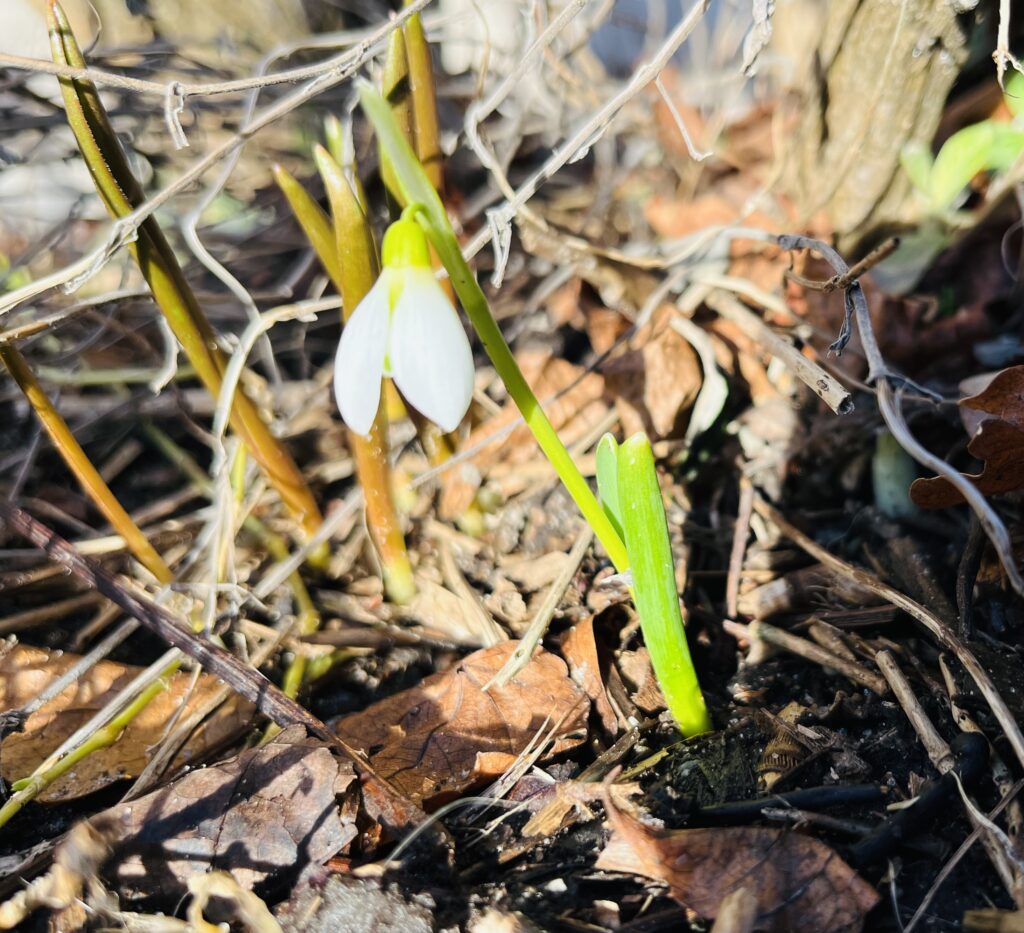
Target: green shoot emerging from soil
[{"x": 631, "y": 496}]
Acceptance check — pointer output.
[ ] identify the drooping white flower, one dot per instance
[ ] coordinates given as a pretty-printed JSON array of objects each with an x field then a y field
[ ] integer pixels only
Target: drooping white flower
[{"x": 405, "y": 328}]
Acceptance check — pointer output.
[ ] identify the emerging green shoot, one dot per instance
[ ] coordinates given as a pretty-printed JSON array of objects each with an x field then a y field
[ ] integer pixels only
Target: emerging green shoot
[
  {"x": 988, "y": 146},
  {"x": 629, "y": 489}
]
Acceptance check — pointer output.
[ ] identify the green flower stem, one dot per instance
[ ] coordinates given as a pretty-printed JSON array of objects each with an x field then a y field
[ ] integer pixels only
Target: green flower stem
[
  {"x": 642, "y": 515},
  {"x": 417, "y": 190},
  {"x": 122, "y": 193},
  {"x": 81, "y": 466}
]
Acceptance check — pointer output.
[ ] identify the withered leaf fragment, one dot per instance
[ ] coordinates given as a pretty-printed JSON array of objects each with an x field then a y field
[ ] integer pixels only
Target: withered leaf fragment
[
  {"x": 266, "y": 816},
  {"x": 998, "y": 442},
  {"x": 801, "y": 885},
  {"x": 448, "y": 734}
]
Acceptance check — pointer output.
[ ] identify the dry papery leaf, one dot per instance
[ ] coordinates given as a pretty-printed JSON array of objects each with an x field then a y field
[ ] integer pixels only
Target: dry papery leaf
[
  {"x": 800, "y": 884},
  {"x": 1001, "y": 447},
  {"x": 580, "y": 650},
  {"x": 1002, "y": 398},
  {"x": 639, "y": 676},
  {"x": 447, "y": 734},
  {"x": 998, "y": 442},
  {"x": 267, "y": 815},
  {"x": 344, "y": 904},
  {"x": 26, "y": 671},
  {"x": 656, "y": 383},
  {"x": 573, "y": 415}
]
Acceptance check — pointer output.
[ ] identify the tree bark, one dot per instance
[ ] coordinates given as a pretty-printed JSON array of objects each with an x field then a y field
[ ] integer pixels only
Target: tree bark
[{"x": 881, "y": 73}]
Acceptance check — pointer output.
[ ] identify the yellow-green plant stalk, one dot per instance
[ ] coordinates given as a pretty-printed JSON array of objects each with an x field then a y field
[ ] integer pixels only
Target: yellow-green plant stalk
[
  {"x": 397, "y": 92},
  {"x": 121, "y": 193},
  {"x": 424, "y": 100},
  {"x": 27, "y": 789},
  {"x": 417, "y": 190},
  {"x": 81, "y": 466},
  {"x": 631, "y": 496},
  {"x": 315, "y": 223},
  {"x": 356, "y": 252}
]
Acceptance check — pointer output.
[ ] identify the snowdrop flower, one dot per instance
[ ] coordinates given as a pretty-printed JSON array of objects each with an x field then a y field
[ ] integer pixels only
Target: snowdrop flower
[{"x": 405, "y": 328}]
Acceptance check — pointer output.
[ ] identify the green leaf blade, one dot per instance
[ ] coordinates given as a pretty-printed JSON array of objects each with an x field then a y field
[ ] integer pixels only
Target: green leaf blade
[{"x": 654, "y": 585}]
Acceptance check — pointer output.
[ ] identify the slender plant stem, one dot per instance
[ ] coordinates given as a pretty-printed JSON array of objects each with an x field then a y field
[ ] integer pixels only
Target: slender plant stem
[
  {"x": 416, "y": 189},
  {"x": 81, "y": 466}
]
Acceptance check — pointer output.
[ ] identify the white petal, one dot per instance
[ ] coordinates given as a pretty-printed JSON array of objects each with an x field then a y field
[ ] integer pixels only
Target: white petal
[
  {"x": 359, "y": 365},
  {"x": 430, "y": 356}
]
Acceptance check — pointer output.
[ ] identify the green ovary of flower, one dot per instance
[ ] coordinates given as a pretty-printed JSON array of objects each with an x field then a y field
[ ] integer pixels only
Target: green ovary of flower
[{"x": 405, "y": 328}]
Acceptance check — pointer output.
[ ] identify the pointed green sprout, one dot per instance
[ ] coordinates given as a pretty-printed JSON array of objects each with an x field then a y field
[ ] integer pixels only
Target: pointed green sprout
[
  {"x": 418, "y": 192},
  {"x": 630, "y": 493}
]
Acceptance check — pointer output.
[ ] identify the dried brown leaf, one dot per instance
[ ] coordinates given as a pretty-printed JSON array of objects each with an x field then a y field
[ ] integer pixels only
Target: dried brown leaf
[
  {"x": 264, "y": 816},
  {"x": 580, "y": 650},
  {"x": 1001, "y": 446},
  {"x": 343, "y": 904},
  {"x": 800, "y": 884},
  {"x": 26, "y": 671},
  {"x": 1003, "y": 398},
  {"x": 655, "y": 383},
  {"x": 447, "y": 734},
  {"x": 573, "y": 415},
  {"x": 639, "y": 676}
]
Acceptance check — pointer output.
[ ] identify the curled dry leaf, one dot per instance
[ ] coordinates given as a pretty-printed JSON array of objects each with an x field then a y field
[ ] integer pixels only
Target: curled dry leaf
[
  {"x": 1003, "y": 397},
  {"x": 1001, "y": 447},
  {"x": 655, "y": 384},
  {"x": 265, "y": 816},
  {"x": 573, "y": 415},
  {"x": 448, "y": 734},
  {"x": 800, "y": 884},
  {"x": 998, "y": 442},
  {"x": 26, "y": 671},
  {"x": 637, "y": 672}
]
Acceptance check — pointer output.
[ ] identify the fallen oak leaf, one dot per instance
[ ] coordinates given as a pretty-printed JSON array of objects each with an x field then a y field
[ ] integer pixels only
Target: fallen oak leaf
[
  {"x": 26, "y": 671},
  {"x": 1000, "y": 445},
  {"x": 801, "y": 885},
  {"x": 448, "y": 734},
  {"x": 1002, "y": 398}
]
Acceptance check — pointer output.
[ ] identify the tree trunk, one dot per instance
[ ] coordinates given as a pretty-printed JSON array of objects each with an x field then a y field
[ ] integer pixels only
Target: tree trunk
[{"x": 882, "y": 72}]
